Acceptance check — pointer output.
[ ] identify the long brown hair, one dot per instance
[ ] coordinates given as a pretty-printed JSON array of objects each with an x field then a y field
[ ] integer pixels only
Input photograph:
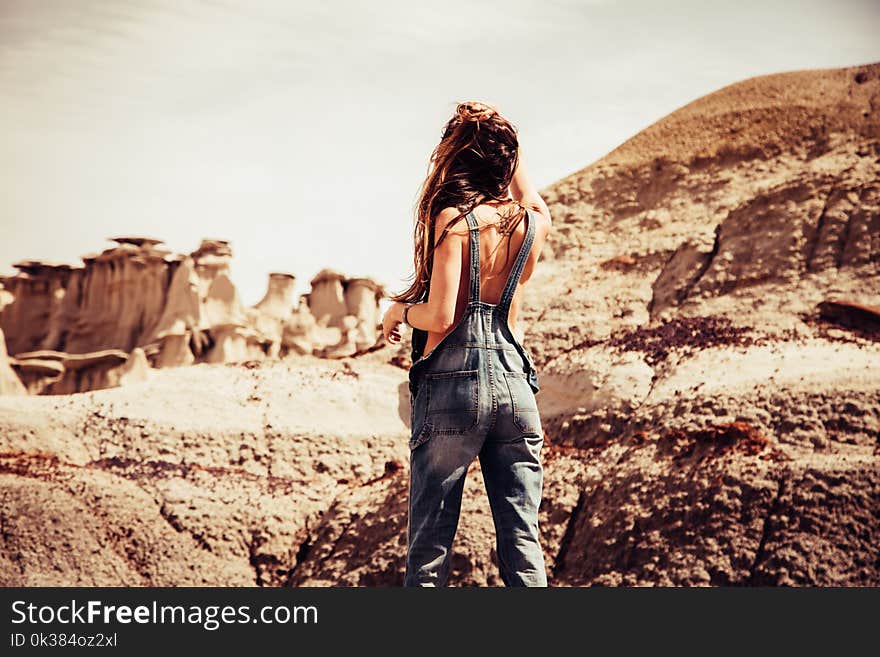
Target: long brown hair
[{"x": 474, "y": 163}]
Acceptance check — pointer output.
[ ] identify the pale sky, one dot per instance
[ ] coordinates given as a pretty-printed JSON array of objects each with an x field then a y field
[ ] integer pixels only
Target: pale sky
[{"x": 301, "y": 131}]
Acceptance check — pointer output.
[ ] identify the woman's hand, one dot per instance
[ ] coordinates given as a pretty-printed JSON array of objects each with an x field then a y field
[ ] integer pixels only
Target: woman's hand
[{"x": 391, "y": 322}]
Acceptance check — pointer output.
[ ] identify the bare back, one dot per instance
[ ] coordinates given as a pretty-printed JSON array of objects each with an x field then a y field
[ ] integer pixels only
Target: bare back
[{"x": 497, "y": 255}]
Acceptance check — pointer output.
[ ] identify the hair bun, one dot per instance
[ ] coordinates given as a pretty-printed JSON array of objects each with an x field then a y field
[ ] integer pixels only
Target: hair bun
[{"x": 474, "y": 110}]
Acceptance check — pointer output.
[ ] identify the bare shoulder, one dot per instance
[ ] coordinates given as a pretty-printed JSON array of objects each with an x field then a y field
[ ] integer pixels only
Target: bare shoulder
[
  {"x": 444, "y": 218},
  {"x": 544, "y": 223}
]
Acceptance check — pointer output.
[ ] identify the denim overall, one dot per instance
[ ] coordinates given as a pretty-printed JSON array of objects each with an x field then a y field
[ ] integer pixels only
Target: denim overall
[{"x": 473, "y": 395}]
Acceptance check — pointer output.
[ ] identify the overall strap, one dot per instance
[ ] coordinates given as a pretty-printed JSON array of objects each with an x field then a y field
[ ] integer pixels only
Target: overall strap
[
  {"x": 474, "y": 292},
  {"x": 516, "y": 272}
]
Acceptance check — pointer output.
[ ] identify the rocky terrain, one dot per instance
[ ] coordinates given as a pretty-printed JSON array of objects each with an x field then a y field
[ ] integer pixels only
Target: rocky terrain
[
  {"x": 135, "y": 306},
  {"x": 706, "y": 324}
]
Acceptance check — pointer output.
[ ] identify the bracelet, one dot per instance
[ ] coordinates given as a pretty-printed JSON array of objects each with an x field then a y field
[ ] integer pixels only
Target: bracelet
[{"x": 403, "y": 316}]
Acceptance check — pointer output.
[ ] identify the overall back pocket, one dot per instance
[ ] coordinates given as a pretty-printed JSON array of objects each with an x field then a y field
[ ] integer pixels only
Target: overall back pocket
[
  {"x": 453, "y": 400},
  {"x": 522, "y": 398}
]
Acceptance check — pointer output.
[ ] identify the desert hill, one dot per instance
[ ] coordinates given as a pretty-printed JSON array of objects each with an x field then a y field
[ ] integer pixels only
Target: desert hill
[{"x": 706, "y": 328}]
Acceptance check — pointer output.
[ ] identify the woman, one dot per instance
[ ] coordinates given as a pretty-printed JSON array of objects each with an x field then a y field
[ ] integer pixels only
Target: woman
[{"x": 472, "y": 382}]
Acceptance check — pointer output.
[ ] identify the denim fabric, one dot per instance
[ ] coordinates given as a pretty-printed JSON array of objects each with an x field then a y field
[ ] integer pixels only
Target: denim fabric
[{"x": 473, "y": 396}]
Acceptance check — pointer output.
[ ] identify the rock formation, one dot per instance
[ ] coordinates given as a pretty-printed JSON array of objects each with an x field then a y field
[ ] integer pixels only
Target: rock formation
[
  {"x": 225, "y": 319},
  {"x": 178, "y": 309},
  {"x": 300, "y": 332},
  {"x": 278, "y": 301},
  {"x": 112, "y": 302},
  {"x": 222, "y": 315},
  {"x": 38, "y": 292},
  {"x": 338, "y": 317},
  {"x": 327, "y": 298},
  {"x": 10, "y": 384},
  {"x": 38, "y": 374},
  {"x": 704, "y": 322},
  {"x": 122, "y": 293},
  {"x": 349, "y": 304},
  {"x": 179, "y": 325},
  {"x": 58, "y": 372},
  {"x": 211, "y": 259},
  {"x": 362, "y": 297},
  {"x": 71, "y": 327},
  {"x": 270, "y": 314}
]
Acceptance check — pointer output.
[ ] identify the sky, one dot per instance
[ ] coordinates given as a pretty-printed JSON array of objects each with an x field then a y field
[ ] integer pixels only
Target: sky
[{"x": 301, "y": 132}]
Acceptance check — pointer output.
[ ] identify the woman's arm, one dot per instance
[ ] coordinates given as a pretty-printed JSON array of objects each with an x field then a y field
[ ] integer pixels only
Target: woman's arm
[
  {"x": 437, "y": 314},
  {"x": 522, "y": 189}
]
